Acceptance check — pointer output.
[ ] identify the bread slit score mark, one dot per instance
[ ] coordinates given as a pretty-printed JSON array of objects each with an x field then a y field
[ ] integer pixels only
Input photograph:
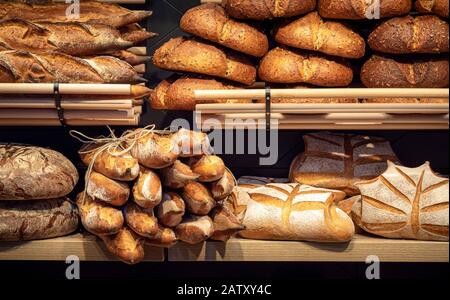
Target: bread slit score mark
[
  {"x": 381, "y": 205},
  {"x": 395, "y": 191},
  {"x": 406, "y": 176},
  {"x": 435, "y": 207},
  {"x": 415, "y": 213},
  {"x": 435, "y": 229},
  {"x": 435, "y": 186}
]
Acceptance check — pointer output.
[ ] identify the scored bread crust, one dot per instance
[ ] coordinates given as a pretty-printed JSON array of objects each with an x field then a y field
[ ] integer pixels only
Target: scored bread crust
[{"x": 438, "y": 7}]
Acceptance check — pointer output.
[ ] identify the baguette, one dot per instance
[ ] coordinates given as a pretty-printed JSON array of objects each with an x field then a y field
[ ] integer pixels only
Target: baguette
[
  {"x": 209, "y": 167},
  {"x": 89, "y": 12},
  {"x": 195, "y": 230},
  {"x": 187, "y": 55},
  {"x": 165, "y": 237},
  {"x": 198, "y": 199},
  {"x": 34, "y": 220},
  {"x": 147, "y": 191},
  {"x": 141, "y": 220},
  {"x": 192, "y": 143},
  {"x": 282, "y": 65},
  {"x": 363, "y": 9},
  {"x": 171, "y": 210},
  {"x": 223, "y": 188},
  {"x": 311, "y": 32},
  {"x": 383, "y": 72},
  {"x": 155, "y": 151},
  {"x": 421, "y": 34},
  {"x": 438, "y": 7},
  {"x": 126, "y": 245},
  {"x": 177, "y": 93},
  {"x": 226, "y": 224},
  {"x": 107, "y": 190},
  {"x": 211, "y": 22},
  {"x": 34, "y": 173},
  {"x": 26, "y": 67},
  {"x": 135, "y": 33},
  {"x": 267, "y": 9},
  {"x": 177, "y": 175}
]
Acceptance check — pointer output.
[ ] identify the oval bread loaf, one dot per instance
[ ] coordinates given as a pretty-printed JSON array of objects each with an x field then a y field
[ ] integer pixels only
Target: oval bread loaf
[
  {"x": 438, "y": 7},
  {"x": 155, "y": 151},
  {"x": 195, "y": 229},
  {"x": 209, "y": 167},
  {"x": 107, "y": 190},
  {"x": 198, "y": 199},
  {"x": 141, "y": 220},
  {"x": 171, "y": 210},
  {"x": 126, "y": 245},
  {"x": 147, "y": 190}
]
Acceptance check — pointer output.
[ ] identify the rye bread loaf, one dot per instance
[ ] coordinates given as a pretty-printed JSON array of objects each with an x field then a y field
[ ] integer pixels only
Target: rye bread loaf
[
  {"x": 282, "y": 65},
  {"x": 420, "y": 34},
  {"x": 311, "y": 32},
  {"x": 188, "y": 55},
  {"x": 363, "y": 9},
  {"x": 267, "y": 9},
  {"x": 438, "y": 7},
  {"x": 34, "y": 173},
  {"x": 384, "y": 72},
  {"x": 34, "y": 220},
  {"x": 211, "y": 22}
]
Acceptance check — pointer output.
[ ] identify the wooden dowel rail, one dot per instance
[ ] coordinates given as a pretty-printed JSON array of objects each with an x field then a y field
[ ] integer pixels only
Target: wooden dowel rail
[{"x": 65, "y": 89}]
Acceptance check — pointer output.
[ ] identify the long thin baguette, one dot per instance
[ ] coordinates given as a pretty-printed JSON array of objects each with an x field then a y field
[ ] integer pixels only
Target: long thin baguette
[
  {"x": 421, "y": 34},
  {"x": 438, "y": 7},
  {"x": 26, "y": 67},
  {"x": 187, "y": 55},
  {"x": 363, "y": 9},
  {"x": 89, "y": 11}
]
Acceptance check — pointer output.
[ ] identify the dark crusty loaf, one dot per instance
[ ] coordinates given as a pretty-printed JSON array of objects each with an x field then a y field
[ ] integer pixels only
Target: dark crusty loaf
[
  {"x": 421, "y": 34},
  {"x": 267, "y": 9},
  {"x": 311, "y": 32},
  {"x": 187, "y": 55},
  {"x": 438, "y": 7},
  {"x": 31, "y": 173},
  {"x": 27, "y": 67},
  {"x": 33, "y": 220},
  {"x": 89, "y": 11},
  {"x": 210, "y": 21},
  {"x": 282, "y": 65},
  {"x": 382, "y": 72},
  {"x": 177, "y": 93},
  {"x": 363, "y": 9}
]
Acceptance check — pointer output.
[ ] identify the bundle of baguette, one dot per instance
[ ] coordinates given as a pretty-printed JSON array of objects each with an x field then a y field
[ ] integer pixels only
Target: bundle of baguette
[
  {"x": 156, "y": 188},
  {"x": 34, "y": 184}
]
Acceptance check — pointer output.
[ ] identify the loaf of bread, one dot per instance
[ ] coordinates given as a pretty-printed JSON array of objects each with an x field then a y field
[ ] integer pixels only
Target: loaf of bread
[
  {"x": 165, "y": 238},
  {"x": 113, "y": 164},
  {"x": 252, "y": 182},
  {"x": 107, "y": 190},
  {"x": 405, "y": 203},
  {"x": 223, "y": 188},
  {"x": 195, "y": 229},
  {"x": 75, "y": 39},
  {"x": 34, "y": 173},
  {"x": 171, "y": 210},
  {"x": 34, "y": 220},
  {"x": 420, "y": 34},
  {"x": 295, "y": 212},
  {"x": 88, "y": 11},
  {"x": 97, "y": 217},
  {"x": 209, "y": 167},
  {"x": 267, "y": 9},
  {"x": 126, "y": 245},
  {"x": 147, "y": 191},
  {"x": 338, "y": 161},
  {"x": 135, "y": 33},
  {"x": 192, "y": 143},
  {"x": 383, "y": 72},
  {"x": 141, "y": 220},
  {"x": 155, "y": 151},
  {"x": 438, "y": 7},
  {"x": 187, "y": 55},
  {"x": 226, "y": 224},
  {"x": 177, "y": 93},
  {"x": 198, "y": 199},
  {"x": 211, "y": 22},
  {"x": 313, "y": 33},
  {"x": 282, "y": 65},
  {"x": 26, "y": 67},
  {"x": 177, "y": 175},
  {"x": 130, "y": 57},
  {"x": 363, "y": 9}
]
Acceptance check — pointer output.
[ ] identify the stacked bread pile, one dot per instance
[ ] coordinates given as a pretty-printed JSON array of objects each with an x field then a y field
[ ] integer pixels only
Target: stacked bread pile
[
  {"x": 34, "y": 184},
  {"x": 42, "y": 43},
  {"x": 156, "y": 189}
]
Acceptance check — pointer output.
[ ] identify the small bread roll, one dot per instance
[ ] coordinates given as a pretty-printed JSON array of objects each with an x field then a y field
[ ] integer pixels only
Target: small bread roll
[
  {"x": 171, "y": 210},
  {"x": 107, "y": 190},
  {"x": 155, "y": 151},
  {"x": 165, "y": 237},
  {"x": 147, "y": 191},
  {"x": 198, "y": 198},
  {"x": 209, "y": 167},
  {"x": 195, "y": 229},
  {"x": 226, "y": 224},
  {"x": 223, "y": 187},
  {"x": 192, "y": 143},
  {"x": 177, "y": 175},
  {"x": 121, "y": 167},
  {"x": 141, "y": 220},
  {"x": 126, "y": 245},
  {"x": 97, "y": 217}
]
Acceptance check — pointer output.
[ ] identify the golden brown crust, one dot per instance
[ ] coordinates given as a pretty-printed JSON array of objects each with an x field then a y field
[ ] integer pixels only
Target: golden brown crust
[
  {"x": 141, "y": 220},
  {"x": 383, "y": 72},
  {"x": 311, "y": 32},
  {"x": 126, "y": 245},
  {"x": 226, "y": 224},
  {"x": 195, "y": 229},
  {"x": 420, "y": 34},
  {"x": 107, "y": 190},
  {"x": 188, "y": 55},
  {"x": 438, "y": 7},
  {"x": 198, "y": 199},
  {"x": 209, "y": 167},
  {"x": 210, "y": 21},
  {"x": 177, "y": 175},
  {"x": 147, "y": 190},
  {"x": 165, "y": 237},
  {"x": 155, "y": 151},
  {"x": 171, "y": 210},
  {"x": 223, "y": 188},
  {"x": 282, "y": 65}
]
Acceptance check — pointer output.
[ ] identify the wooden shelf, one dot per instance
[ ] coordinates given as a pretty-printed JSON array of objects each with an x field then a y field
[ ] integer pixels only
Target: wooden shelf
[
  {"x": 86, "y": 247},
  {"x": 358, "y": 250}
]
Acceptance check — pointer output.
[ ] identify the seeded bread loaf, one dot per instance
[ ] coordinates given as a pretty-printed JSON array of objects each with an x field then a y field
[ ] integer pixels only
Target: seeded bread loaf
[
  {"x": 363, "y": 9},
  {"x": 438, "y": 7}
]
